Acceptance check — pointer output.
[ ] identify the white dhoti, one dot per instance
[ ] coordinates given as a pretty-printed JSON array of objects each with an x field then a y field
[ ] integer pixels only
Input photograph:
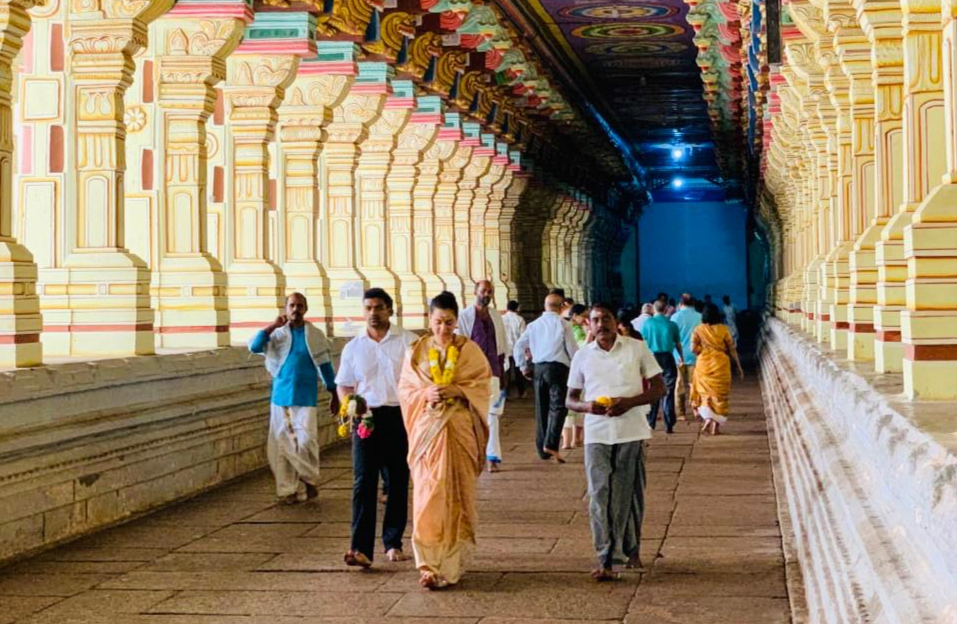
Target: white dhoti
[
  {"x": 493, "y": 451},
  {"x": 293, "y": 448},
  {"x": 708, "y": 414}
]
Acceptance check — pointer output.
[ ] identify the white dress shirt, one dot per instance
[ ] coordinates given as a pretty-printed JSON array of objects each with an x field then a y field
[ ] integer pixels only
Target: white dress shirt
[
  {"x": 614, "y": 374},
  {"x": 373, "y": 368},
  {"x": 549, "y": 338},
  {"x": 639, "y": 321},
  {"x": 514, "y": 326}
]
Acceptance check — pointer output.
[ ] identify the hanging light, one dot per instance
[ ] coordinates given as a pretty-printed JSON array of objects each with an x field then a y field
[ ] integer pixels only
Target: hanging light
[{"x": 677, "y": 183}]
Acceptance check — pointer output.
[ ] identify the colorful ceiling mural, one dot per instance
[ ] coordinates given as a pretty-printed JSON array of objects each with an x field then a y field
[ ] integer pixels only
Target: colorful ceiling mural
[{"x": 637, "y": 61}]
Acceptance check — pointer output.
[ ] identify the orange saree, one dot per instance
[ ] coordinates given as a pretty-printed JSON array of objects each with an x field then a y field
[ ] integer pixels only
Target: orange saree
[
  {"x": 446, "y": 456},
  {"x": 711, "y": 385}
]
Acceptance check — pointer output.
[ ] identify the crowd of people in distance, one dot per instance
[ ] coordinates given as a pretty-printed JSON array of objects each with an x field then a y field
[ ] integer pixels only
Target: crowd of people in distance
[{"x": 427, "y": 409}]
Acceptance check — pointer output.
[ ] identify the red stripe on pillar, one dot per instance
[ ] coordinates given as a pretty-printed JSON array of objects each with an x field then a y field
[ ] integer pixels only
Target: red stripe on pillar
[
  {"x": 194, "y": 329},
  {"x": 889, "y": 336},
  {"x": 98, "y": 328},
  {"x": 862, "y": 328},
  {"x": 930, "y": 353},
  {"x": 19, "y": 338}
]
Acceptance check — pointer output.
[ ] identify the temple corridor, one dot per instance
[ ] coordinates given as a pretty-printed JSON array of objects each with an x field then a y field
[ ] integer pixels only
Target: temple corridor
[{"x": 233, "y": 556}]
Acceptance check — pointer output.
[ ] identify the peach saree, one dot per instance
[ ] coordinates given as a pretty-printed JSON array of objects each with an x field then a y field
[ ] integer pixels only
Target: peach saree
[{"x": 446, "y": 456}]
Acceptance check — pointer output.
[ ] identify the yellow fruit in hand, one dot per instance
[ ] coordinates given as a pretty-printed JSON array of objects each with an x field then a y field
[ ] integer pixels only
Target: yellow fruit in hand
[
  {"x": 343, "y": 431},
  {"x": 603, "y": 401}
]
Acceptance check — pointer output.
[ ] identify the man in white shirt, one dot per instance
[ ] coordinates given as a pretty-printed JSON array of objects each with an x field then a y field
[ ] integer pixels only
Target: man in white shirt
[
  {"x": 370, "y": 367},
  {"x": 514, "y": 327},
  {"x": 552, "y": 344},
  {"x": 605, "y": 384},
  {"x": 647, "y": 311},
  {"x": 483, "y": 325}
]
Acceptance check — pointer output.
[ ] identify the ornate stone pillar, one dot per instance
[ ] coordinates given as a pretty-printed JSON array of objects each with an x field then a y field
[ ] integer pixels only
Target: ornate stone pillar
[
  {"x": 478, "y": 165},
  {"x": 929, "y": 324},
  {"x": 350, "y": 125},
  {"x": 829, "y": 116},
  {"x": 103, "y": 305},
  {"x": 404, "y": 224},
  {"x": 320, "y": 85},
  {"x": 20, "y": 321},
  {"x": 374, "y": 240},
  {"x": 578, "y": 280},
  {"x": 854, "y": 51},
  {"x": 259, "y": 72},
  {"x": 190, "y": 284},
  {"x": 478, "y": 213},
  {"x": 445, "y": 196},
  {"x": 510, "y": 204},
  {"x": 923, "y": 141},
  {"x": 492, "y": 244},
  {"x": 425, "y": 201}
]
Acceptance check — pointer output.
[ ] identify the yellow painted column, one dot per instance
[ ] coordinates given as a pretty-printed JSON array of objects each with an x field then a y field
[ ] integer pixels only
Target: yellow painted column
[
  {"x": 321, "y": 84},
  {"x": 189, "y": 284},
  {"x": 478, "y": 165},
  {"x": 411, "y": 148},
  {"x": 828, "y": 115},
  {"x": 20, "y": 321},
  {"x": 374, "y": 242},
  {"x": 854, "y": 51},
  {"x": 510, "y": 205},
  {"x": 351, "y": 121},
  {"x": 479, "y": 215},
  {"x": 574, "y": 243},
  {"x": 445, "y": 195},
  {"x": 259, "y": 72},
  {"x": 492, "y": 245},
  {"x": 425, "y": 213},
  {"x": 929, "y": 324},
  {"x": 923, "y": 139},
  {"x": 102, "y": 304}
]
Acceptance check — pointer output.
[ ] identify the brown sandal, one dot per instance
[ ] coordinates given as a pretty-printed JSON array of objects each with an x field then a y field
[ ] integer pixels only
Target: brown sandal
[
  {"x": 603, "y": 575},
  {"x": 554, "y": 455},
  {"x": 356, "y": 558}
]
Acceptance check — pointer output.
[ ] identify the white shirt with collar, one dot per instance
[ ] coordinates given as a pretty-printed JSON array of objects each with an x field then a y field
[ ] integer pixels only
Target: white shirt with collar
[
  {"x": 639, "y": 321},
  {"x": 549, "y": 338},
  {"x": 373, "y": 368},
  {"x": 514, "y": 326},
  {"x": 615, "y": 373}
]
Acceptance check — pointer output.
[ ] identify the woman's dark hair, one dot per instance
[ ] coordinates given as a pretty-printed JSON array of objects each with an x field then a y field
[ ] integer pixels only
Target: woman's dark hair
[
  {"x": 444, "y": 301},
  {"x": 626, "y": 315},
  {"x": 378, "y": 293},
  {"x": 711, "y": 315},
  {"x": 512, "y": 306},
  {"x": 579, "y": 308}
]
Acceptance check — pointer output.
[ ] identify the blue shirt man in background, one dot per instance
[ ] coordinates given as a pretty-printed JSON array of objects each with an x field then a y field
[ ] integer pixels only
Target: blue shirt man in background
[
  {"x": 664, "y": 339},
  {"x": 296, "y": 353},
  {"x": 687, "y": 319}
]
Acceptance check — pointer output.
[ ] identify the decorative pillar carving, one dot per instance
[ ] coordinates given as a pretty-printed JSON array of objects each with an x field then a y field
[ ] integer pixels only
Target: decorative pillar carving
[
  {"x": 478, "y": 165},
  {"x": 492, "y": 244},
  {"x": 510, "y": 204},
  {"x": 404, "y": 225},
  {"x": 103, "y": 306},
  {"x": 20, "y": 321},
  {"x": 190, "y": 284},
  {"x": 478, "y": 213},
  {"x": 444, "y": 204},
  {"x": 352, "y": 119},
  {"x": 259, "y": 72},
  {"x": 373, "y": 237},
  {"x": 321, "y": 84},
  {"x": 428, "y": 242},
  {"x": 923, "y": 141},
  {"x": 929, "y": 325}
]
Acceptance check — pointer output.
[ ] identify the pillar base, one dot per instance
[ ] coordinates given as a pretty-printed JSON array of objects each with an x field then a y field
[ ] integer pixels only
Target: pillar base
[
  {"x": 257, "y": 293},
  {"x": 860, "y": 333},
  {"x": 929, "y": 379},
  {"x": 191, "y": 304},
  {"x": 416, "y": 293},
  {"x": 822, "y": 321},
  {"x": 346, "y": 287},
  {"x": 20, "y": 323}
]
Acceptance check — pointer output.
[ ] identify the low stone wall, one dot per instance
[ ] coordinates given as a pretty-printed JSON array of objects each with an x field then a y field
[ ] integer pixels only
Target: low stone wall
[
  {"x": 87, "y": 444},
  {"x": 871, "y": 485}
]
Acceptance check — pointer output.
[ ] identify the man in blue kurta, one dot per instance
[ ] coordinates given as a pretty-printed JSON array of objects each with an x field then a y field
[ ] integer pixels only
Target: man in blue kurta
[{"x": 296, "y": 352}]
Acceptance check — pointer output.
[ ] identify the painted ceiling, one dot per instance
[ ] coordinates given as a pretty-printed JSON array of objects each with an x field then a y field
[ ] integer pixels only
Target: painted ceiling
[{"x": 636, "y": 61}]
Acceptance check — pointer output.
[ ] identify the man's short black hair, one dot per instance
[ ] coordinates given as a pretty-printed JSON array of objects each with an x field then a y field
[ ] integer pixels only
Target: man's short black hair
[
  {"x": 579, "y": 308},
  {"x": 557, "y": 291},
  {"x": 512, "y": 306},
  {"x": 378, "y": 293},
  {"x": 601, "y": 305}
]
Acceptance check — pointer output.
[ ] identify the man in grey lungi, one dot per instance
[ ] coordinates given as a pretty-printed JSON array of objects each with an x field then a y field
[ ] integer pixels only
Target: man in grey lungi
[{"x": 605, "y": 383}]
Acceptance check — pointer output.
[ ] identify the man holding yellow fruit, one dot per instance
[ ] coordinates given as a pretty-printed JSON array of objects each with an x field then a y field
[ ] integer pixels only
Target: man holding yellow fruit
[{"x": 605, "y": 383}]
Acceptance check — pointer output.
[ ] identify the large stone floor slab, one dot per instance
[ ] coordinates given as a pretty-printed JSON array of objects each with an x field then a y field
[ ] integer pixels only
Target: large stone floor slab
[{"x": 711, "y": 542}]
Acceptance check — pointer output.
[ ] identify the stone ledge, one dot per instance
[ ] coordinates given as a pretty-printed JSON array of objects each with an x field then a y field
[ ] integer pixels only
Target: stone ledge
[
  {"x": 872, "y": 494},
  {"x": 83, "y": 446}
]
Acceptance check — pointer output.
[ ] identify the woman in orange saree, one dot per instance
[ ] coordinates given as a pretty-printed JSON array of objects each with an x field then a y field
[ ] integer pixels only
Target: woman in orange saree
[
  {"x": 447, "y": 436},
  {"x": 711, "y": 384}
]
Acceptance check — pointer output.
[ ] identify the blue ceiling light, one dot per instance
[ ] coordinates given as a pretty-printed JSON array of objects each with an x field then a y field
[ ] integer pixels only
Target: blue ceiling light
[
  {"x": 677, "y": 183},
  {"x": 677, "y": 153}
]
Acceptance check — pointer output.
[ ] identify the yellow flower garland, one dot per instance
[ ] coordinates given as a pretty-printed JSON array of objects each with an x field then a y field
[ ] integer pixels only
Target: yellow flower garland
[{"x": 443, "y": 376}]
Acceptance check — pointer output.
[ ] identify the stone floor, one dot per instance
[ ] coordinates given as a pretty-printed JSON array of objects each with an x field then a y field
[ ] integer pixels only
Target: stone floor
[{"x": 232, "y": 556}]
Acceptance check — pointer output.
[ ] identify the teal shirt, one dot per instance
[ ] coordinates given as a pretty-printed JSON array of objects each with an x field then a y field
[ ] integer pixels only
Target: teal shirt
[
  {"x": 660, "y": 334},
  {"x": 297, "y": 383},
  {"x": 686, "y": 320}
]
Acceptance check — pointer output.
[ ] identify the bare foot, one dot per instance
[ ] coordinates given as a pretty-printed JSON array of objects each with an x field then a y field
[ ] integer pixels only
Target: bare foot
[
  {"x": 603, "y": 575},
  {"x": 493, "y": 466},
  {"x": 383, "y": 498},
  {"x": 634, "y": 563},
  {"x": 356, "y": 558},
  {"x": 292, "y": 499},
  {"x": 431, "y": 580},
  {"x": 554, "y": 455},
  {"x": 311, "y": 491},
  {"x": 395, "y": 555}
]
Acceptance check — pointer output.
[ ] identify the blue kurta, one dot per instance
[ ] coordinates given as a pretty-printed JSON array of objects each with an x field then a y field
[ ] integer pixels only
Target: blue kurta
[{"x": 297, "y": 383}]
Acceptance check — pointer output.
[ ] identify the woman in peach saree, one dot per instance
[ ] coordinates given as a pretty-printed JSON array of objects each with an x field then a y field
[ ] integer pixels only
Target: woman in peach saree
[
  {"x": 447, "y": 436},
  {"x": 711, "y": 384}
]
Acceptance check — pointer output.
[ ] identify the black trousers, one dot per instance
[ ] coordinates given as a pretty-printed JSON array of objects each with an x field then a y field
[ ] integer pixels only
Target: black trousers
[
  {"x": 516, "y": 379},
  {"x": 551, "y": 385},
  {"x": 385, "y": 450},
  {"x": 666, "y": 404}
]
